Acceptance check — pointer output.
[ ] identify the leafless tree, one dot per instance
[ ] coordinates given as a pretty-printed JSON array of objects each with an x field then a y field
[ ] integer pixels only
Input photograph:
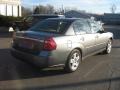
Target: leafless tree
[
  {"x": 26, "y": 11},
  {"x": 36, "y": 10},
  {"x": 48, "y": 9}
]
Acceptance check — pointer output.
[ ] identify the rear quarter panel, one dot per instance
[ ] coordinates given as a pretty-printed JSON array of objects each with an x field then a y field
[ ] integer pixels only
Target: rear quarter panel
[{"x": 65, "y": 44}]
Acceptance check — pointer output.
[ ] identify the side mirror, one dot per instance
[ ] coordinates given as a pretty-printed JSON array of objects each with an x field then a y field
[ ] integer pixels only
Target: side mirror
[{"x": 101, "y": 31}]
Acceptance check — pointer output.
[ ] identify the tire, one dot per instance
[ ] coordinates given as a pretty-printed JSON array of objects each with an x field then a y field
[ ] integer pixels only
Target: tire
[
  {"x": 108, "y": 47},
  {"x": 73, "y": 61}
]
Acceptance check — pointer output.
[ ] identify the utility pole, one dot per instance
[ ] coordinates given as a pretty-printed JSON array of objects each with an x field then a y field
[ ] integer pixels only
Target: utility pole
[
  {"x": 113, "y": 8},
  {"x": 62, "y": 12}
]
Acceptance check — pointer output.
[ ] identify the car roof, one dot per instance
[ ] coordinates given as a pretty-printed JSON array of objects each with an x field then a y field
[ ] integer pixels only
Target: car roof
[
  {"x": 47, "y": 15},
  {"x": 67, "y": 19}
]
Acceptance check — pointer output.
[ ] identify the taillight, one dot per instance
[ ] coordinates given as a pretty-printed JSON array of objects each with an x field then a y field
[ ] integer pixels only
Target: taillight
[{"x": 49, "y": 44}]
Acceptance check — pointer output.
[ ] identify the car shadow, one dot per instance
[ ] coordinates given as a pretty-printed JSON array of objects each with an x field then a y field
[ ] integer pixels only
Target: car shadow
[
  {"x": 71, "y": 86},
  {"x": 13, "y": 69}
]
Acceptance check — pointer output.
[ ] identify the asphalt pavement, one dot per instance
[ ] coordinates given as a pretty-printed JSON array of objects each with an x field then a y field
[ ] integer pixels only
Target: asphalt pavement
[{"x": 98, "y": 72}]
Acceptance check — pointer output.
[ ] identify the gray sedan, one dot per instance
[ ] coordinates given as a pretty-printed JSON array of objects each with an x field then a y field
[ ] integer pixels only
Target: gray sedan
[{"x": 61, "y": 42}]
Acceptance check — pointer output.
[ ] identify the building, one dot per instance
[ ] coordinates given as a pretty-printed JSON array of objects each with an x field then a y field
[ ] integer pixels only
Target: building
[
  {"x": 77, "y": 14},
  {"x": 10, "y": 8},
  {"x": 110, "y": 18}
]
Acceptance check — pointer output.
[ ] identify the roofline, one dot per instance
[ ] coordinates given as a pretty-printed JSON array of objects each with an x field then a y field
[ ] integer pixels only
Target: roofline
[
  {"x": 45, "y": 15},
  {"x": 67, "y": 18}
]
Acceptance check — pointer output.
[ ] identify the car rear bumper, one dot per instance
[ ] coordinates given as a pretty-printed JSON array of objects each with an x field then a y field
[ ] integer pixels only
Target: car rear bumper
[{"x": 40, "y": 61}]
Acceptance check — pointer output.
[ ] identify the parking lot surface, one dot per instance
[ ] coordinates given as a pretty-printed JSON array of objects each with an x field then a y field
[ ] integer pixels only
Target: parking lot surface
[{"x": 98, "y": 72}]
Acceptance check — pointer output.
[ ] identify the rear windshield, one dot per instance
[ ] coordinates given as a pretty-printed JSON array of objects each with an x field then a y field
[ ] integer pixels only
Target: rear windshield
[
  {"x": 52, "y": 26},
  {"x": 41, "y": 18},
  {"x": 45, "y": 17}
]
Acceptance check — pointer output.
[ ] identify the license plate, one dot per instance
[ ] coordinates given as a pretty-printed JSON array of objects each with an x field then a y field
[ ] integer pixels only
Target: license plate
[{"x": 26, "y": 45}]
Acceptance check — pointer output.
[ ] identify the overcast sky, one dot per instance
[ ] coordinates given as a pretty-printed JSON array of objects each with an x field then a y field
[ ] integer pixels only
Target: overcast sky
[{"x": 94, "y": 6}]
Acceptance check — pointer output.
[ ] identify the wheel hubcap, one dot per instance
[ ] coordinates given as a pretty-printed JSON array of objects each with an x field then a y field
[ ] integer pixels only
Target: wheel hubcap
[
  {"x": 109, "y": 47},
  {"x": 74, "y": 61}
]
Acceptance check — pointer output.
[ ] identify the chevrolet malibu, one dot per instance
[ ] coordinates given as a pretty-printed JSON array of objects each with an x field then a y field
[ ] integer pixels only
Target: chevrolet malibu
[{"x": 61, "y": 42}]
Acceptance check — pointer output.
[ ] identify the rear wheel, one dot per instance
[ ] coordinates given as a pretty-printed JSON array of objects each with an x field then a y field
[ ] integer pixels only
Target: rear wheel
[
  {"x": 73, "y": 61},
  {"x": 108, "y": 47}
]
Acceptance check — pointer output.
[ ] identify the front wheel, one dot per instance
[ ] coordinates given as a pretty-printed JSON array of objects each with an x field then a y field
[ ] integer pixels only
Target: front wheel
[
  {"x": 108, "y": 47},
  {"x": 73, "y": 61}
]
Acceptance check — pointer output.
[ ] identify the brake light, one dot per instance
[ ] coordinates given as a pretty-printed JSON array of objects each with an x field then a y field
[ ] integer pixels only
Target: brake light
[{"x": 49, "y": 44}]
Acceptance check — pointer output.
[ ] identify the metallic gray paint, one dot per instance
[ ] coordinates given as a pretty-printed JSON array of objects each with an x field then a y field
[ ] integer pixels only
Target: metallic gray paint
[{"x": 88, "y": 44}]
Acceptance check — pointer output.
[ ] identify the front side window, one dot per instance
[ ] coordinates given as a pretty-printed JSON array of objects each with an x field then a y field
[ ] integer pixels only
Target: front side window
[{"x": 96, "y": 26}]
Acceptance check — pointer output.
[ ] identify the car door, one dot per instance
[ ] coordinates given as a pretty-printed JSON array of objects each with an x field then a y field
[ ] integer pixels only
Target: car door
[
  {"x": 100, "y": 37},
  {"x": 84, "y": 35}
]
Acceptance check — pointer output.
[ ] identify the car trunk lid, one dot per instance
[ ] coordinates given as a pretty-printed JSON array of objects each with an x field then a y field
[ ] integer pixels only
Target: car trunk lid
[{"x": 31, "y": 42}]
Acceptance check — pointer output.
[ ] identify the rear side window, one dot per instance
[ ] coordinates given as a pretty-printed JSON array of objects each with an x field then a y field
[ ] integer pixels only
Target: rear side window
[
  {"x": 81, "y": 26},
  {"x": 51, "y": 26}
]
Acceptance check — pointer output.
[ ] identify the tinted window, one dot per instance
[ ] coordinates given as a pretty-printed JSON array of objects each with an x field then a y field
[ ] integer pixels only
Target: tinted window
[
  {"x": 81, "y": 26},
  {"x": 41, "y": 18},
  {"x": 52, "y": 26}
]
